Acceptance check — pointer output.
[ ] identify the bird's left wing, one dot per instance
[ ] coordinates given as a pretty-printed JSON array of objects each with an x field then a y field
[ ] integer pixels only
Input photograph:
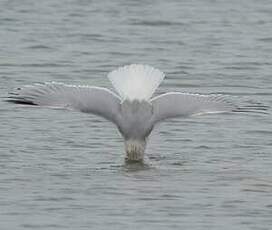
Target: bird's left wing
[
  {"x": 173, "y": 104},
  {"x": 96, "y": 100}
]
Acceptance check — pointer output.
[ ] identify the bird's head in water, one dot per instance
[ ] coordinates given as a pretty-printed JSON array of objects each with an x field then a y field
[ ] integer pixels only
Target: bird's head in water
[{"x": 135, "y": 149}]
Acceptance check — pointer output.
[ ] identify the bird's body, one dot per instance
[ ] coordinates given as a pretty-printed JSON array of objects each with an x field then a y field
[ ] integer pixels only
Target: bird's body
[
  {"x": 135, "y": 126},
  {"x": 133, "y": 111}
]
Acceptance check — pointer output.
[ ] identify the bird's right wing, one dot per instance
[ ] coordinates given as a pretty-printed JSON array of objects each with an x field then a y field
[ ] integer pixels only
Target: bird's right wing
[
  {"x": 170, "y": 105},
  {"x": 96, "y": 100}
]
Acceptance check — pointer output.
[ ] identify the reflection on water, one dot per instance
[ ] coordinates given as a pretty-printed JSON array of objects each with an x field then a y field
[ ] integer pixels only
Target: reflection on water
[{"x": 135, "y": 166}]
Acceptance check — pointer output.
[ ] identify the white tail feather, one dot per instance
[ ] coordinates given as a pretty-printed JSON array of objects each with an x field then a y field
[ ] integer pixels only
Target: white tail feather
[{"x": 136, "y": 81}]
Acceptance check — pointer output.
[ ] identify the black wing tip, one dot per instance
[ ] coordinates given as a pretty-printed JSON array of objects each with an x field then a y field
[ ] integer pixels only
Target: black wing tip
[
  {"x": 254, "y": 108},
  {"x": 19, "y": 101}
]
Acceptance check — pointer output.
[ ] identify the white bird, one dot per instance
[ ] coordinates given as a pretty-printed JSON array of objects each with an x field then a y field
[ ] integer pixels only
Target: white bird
[{"x": 133, "y": 111}]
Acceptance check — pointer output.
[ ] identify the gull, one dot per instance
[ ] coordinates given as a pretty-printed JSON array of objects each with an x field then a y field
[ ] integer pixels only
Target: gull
[{"x": 133, "y": 109}]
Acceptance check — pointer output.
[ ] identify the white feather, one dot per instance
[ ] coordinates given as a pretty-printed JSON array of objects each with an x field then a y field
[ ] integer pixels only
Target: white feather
[{"x": 136, "y": 81}]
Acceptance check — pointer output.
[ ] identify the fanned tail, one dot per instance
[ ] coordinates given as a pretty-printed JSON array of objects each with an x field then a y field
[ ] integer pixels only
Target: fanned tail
[{"x": 136, "y": 81}]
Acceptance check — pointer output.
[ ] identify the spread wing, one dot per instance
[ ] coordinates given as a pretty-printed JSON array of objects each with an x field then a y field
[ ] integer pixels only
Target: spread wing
[
  {"x": 170, "y": 105},
  {"x": 96, "y": 100}
]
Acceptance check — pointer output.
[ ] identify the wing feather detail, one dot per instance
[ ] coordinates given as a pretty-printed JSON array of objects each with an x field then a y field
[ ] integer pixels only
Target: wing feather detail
[
  {"x": 96, "y": 100},
  {"x": 170, "y": 105}
]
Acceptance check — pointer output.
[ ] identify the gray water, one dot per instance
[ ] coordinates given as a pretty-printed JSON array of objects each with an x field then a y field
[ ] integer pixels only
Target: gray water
[{"x": 66, "y": 170}]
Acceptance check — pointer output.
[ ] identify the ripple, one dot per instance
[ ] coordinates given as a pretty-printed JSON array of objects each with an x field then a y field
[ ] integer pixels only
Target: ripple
[
  {"x": 40, "y": 47},
  {"x": 156, "y": 23}
]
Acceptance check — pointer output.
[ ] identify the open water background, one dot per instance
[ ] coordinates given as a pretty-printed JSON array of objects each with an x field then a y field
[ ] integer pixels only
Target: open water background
[{"x": 65, "y": 170}]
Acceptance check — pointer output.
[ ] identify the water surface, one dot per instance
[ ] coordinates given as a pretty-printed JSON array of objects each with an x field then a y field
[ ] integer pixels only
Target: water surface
[{"x": 65, "y": 170}]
